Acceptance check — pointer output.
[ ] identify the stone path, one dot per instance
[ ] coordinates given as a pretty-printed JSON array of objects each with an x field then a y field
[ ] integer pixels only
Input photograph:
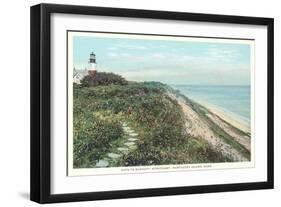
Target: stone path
[{"x": 120, "y": 147}]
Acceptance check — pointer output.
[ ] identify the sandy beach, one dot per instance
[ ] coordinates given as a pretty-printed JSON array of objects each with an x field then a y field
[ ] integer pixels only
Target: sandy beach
[
  {"x": 238, "y": 123},
  {"x": 200, "y": 127}
]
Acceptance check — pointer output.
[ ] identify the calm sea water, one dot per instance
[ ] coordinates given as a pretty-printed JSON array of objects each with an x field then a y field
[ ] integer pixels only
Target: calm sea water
[{"x": 235, "y": 100}]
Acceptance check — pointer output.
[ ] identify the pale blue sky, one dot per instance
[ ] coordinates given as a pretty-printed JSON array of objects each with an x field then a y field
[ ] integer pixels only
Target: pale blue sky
[{"x": 168, "y": 61}]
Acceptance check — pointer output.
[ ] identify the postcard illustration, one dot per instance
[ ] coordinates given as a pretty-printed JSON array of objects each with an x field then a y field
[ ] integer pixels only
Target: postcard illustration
[{"x": 150, "y": 101}]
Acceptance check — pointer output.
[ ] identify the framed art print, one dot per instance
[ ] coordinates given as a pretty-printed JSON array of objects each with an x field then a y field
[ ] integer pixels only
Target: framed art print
[{"x": 133, "y": 103}]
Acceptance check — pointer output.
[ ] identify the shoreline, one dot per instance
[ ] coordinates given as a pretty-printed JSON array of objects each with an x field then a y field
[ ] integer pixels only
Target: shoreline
[
  {"x": 228, "y": 117},
  {"x": 233, "y": 120},
  {"x": 237, "y": 120},
  {"x": 233, "y": 143}
]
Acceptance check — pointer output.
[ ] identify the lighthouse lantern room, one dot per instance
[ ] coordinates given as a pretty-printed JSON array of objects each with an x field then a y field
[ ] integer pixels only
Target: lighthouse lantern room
[{"x": 92, "y": 67}]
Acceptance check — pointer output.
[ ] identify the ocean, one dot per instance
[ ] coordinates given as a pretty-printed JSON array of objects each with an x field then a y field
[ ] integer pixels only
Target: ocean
[{"x": 233, "y": 100}]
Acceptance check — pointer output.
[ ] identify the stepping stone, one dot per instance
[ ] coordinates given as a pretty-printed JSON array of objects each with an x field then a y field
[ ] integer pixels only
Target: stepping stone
[
  {"x": 113, "y": 155},
  {"x": 122, "y": 149},
  {"x": 132, "y": 139},
  {"x": 133, "y": 147},
  {"x": 133, "y": 134},
  {"x": 129, "y": 131},
  {"x": 102, "y": 163},
  {"x": 126, "y": 128},
  {"x": 129, "y": 143}
]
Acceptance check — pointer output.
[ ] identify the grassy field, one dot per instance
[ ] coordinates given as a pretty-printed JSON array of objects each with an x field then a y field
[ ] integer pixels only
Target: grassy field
[{"x": 100, "y": 110}]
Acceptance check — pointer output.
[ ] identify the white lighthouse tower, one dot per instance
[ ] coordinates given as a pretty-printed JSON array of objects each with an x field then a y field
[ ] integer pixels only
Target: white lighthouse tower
[{"x": 92, "y": 65}]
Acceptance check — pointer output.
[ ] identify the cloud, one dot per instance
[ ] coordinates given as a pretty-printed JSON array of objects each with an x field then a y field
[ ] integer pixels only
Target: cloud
[
  {"x": 214, "y": 60},
  {"x": 112, "y": 54},
  {"x": 125, "y": 55},
  {"x": 158, "y": 55},
  {"x": 127, "y": 46},
  {"x": 225, "y": 55},
  {"x": 116, "y": 55},
  {"x": 112, "y": 48},
  {"x": 192, "y": 73},
  {"x": 171, "y": 62}
]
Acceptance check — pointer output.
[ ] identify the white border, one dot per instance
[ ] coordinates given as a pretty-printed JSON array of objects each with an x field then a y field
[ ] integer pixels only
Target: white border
[
  {"x": 160, "y": 168},
  {"x": 61, "y": 183}
]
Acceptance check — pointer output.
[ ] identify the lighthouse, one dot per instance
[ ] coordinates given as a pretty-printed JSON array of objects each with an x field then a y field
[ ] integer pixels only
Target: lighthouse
[{"x": 92, "y": 65}]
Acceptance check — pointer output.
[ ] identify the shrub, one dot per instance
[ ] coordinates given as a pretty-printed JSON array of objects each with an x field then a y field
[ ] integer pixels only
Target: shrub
[
  {"x": 103, "y": 78},
  {"x": 92, "y": 132},
  {"x": 158, "y": 119}
]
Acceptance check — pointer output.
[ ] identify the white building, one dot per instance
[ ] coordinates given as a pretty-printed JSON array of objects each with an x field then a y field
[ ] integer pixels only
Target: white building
[{"x": 78, "y": 75}]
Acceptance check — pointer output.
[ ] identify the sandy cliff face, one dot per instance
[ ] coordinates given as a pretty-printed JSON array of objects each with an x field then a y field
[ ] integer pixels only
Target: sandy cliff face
[{"x": 208, "y": 126}]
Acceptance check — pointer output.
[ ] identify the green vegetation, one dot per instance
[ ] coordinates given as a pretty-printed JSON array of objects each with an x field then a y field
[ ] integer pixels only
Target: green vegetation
[
  {"x": 102, "y": 78},
  {"x": 101, "y": 106}
]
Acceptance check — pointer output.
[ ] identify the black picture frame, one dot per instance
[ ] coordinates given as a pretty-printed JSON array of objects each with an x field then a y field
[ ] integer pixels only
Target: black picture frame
[{"x": 41, "y": 102}]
